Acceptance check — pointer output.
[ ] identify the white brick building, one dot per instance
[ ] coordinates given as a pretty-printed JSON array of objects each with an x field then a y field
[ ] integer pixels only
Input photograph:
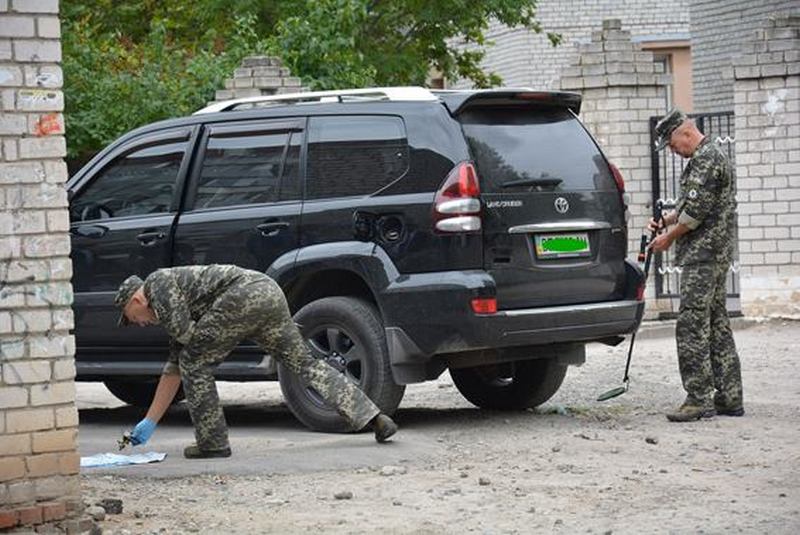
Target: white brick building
[
  {"x": 719, "y": 28},
  {"x": 526, "y": 59},
  {"x": 766, "y": 96}
]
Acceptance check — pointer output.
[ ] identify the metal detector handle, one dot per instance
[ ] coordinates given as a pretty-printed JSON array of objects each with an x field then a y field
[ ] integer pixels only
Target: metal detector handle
[
  {"x": 642, "y": 249},
  {"x": 658, "y": 215},
  {"x": 646, "y": 255},
  {"x": 643, "y": 246}
]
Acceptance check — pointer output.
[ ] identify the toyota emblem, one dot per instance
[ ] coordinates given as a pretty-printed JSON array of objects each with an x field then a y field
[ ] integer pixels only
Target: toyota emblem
[{"x": 562, "y": 205}]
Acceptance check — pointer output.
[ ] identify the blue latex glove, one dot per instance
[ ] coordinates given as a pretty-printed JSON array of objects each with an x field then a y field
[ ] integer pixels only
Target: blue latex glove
[{"x": 142, "y": 432}]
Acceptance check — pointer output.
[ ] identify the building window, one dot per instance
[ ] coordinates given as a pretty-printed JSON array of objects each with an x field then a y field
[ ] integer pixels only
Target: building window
[{"x": 676, "y": 58}]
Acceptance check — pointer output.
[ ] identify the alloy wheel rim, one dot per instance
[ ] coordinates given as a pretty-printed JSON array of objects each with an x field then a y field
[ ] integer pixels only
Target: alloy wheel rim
[{"x": 333, "y": 345}]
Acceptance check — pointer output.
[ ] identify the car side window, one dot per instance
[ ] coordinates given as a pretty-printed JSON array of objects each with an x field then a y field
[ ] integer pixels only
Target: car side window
[
  {"x": 141, "y": 182},
  {"x": 354, "y": 155},
  {"x": 242, "y": 169}
]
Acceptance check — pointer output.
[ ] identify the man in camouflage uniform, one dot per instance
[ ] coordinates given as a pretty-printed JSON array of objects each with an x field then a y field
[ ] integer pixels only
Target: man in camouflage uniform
[
  {"x": 702, "y": 225},
  {"x": 207, "y": 311}
]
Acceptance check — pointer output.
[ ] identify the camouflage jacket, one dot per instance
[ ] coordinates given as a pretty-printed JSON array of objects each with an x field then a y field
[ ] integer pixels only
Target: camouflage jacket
[
  {"x": 181, "y": 295},
  {"x": 707, "y": 206}
]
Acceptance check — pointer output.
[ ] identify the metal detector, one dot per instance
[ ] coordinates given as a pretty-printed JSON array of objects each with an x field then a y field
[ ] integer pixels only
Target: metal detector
[{"x": 645, "y": 255}]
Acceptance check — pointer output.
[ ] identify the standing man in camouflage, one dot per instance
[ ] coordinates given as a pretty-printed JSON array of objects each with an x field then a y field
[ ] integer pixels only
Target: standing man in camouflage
[
  {"x": 207, "y": 311},
  {"x": 702, "y": 225}
]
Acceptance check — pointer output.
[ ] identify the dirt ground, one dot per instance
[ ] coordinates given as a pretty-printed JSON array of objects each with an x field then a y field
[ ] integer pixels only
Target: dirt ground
[{"x": 572, "y": 466}]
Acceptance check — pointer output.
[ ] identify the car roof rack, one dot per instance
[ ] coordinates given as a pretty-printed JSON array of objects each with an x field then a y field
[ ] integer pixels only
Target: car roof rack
[{"x": 314, "y": 97}]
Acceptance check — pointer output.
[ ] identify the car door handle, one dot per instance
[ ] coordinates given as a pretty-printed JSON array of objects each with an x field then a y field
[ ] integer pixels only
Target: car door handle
[
  {"x": 271, "y": 229},
  {"x": 150, "y": 237},
  {"x": 90, "y": 231}
]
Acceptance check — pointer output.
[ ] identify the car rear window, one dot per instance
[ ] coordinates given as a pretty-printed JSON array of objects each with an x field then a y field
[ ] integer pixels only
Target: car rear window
[
  {"x": 538, "y": 148},
  {"x": 354, "y": 155}
]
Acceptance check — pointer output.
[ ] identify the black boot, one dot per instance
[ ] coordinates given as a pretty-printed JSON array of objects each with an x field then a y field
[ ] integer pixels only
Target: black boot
[
  {"x": 729, "y": 410},
  {"x": 384, "y": 427},
  {"x": 193, "y": 452}
]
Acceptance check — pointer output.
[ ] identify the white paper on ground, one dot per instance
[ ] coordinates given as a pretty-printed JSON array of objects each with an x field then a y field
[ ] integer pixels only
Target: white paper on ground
[{"x": 116, "y": 459}]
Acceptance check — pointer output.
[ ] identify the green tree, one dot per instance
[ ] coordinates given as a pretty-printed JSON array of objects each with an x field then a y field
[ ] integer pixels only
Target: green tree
[
  {"x": 131, "y": 63},
  {"x": 338, "y": 43}
]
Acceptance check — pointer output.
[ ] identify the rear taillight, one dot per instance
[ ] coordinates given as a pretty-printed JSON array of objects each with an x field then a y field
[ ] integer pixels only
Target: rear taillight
[
  {"x": 621, "y": 188},
  {"x": 457, "y": 205},
  {"x": 484, "y": 305},
  {"x": 618, "y": 178},
  {"x": 640, "y": 291}
]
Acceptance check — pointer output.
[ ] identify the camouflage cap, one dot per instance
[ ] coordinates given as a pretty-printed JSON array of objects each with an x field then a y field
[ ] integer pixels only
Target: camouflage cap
[
  {"x": 666, "y": 126},
  {"x": 124, "y": 294}
]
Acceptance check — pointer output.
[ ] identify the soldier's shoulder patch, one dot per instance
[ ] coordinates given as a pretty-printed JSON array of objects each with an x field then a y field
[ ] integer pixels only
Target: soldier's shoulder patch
[
  {"x": 697, "y": 178},
  {"x": 700, "y": 171}
]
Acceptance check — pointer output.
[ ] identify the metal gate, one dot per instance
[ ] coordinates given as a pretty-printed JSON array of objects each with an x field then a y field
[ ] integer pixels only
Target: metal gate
[{"x": 666, "y": 174}]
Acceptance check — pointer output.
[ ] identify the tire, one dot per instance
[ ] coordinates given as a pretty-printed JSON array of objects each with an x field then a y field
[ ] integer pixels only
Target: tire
[
  {"x": 137, "y": 392},
  {"x": 351, "y": 329},
  {"x": 512, "y": 385}
]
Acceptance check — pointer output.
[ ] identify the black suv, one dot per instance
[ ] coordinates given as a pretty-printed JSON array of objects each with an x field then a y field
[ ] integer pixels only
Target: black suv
[{"x": 412, "y": 231}]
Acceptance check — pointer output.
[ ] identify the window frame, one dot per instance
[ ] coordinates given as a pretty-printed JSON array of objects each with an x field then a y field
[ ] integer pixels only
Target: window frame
[
  {"x": 288, "y": 126},
  {"x": 163, "y": 137}
]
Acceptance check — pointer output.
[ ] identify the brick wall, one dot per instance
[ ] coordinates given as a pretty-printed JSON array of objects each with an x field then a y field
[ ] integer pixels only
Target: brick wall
[
  {"x": 766, "y": 96},
  {"x": 259, "y": 76},
  {"x": 524, "y": 58},
  {"x": 622, "y": 88},
  {"x": 718, "y": 28},
  {"x": 38, "y": 420}
]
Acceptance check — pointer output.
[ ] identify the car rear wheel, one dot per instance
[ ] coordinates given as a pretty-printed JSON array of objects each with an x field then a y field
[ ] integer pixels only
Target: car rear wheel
[
  {"x": 347, "y": 333},
  {"x": 512, "y": 385},
  {"x": 137, "y": 392}
]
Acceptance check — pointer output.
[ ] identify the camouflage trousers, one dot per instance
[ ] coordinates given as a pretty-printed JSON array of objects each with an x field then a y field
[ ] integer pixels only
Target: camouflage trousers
[
  {"x": 257, "y": 311},
  {"x": 707, "y": 357}
]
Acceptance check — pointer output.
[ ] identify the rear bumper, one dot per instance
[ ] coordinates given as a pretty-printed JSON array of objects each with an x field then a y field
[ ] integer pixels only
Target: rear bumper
[
  {"x": 561, "y": 324},
  {"x": 532, "y": 327},
  {"x": 423, "y": 320}
]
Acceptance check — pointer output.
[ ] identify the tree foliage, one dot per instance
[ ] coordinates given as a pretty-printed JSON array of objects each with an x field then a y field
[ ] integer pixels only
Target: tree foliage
[
  {"x": 124, "y": 67},
  {"x": 131, "y": 62},
  {"x": 336, "y": 43}
]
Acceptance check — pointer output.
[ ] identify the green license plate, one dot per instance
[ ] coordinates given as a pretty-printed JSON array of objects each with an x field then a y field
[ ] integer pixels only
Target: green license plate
[{"x": 562, "y": 245}]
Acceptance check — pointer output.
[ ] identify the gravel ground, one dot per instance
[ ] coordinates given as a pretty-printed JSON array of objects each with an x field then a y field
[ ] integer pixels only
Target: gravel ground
[{"x": 571, "y": 466}]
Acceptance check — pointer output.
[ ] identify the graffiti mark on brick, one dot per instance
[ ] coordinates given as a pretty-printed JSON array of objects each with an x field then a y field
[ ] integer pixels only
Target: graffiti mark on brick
[
  {"x": 48, "y": 79},
  {"x": 49, "y": 124},
  {"x": 37, "y": 96},
  {"x": 18, "y": 328},
  {"x": 776, "y": 102}
]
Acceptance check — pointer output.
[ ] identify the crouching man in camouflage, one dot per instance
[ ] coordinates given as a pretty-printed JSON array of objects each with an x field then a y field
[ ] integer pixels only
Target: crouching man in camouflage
[
  {"x": 702, "y": 226},
  {"x": 207, "y": 311}
]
